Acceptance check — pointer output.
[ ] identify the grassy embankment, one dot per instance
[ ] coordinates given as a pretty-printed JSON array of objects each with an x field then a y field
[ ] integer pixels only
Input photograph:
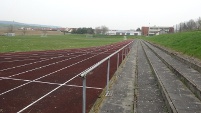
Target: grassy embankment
[
  {"x": 37, "y": 43},
  {"x": 186, "y": 42}
]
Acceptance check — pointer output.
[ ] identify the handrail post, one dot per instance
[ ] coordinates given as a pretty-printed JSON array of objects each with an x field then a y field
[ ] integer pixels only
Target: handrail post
[
  {"x": 122, "y": 55},
  {"x": 117, "y": 60},
  {"x": 84, "y": 95},
  {"x": 127, "y": 50},
  {"x": 108, "y": 74}
]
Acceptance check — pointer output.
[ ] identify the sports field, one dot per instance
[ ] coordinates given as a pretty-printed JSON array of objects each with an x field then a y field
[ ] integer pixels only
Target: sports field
[
  {"x": 48, "y": 81},
  {"x": 38, "y": 43}
]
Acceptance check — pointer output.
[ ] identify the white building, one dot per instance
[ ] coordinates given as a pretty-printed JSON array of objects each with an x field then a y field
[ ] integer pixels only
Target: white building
[
  {"x": 123, "y": 32},
  {"x": 9, "y": 34},
  {"x": 156, "y": 30}
]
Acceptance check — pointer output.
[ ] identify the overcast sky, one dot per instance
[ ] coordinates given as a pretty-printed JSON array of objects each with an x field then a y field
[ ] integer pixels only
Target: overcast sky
[{"x": 115, "y": 14}]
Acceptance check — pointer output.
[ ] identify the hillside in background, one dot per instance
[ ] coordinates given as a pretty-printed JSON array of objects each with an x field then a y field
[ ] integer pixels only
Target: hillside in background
[
  {"x": 18, "y": 24},
  {"x": 186, "y": 42}
]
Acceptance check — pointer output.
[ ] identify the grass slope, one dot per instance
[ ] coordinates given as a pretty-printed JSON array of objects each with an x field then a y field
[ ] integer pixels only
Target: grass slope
[
  {"x": 37, "y": 43},
  {"x": 186, "y": 42}
]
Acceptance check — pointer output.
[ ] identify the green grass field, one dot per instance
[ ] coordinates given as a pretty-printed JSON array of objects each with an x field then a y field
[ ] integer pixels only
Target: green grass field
[
  {"x": 186, "y": 42},
  {"x": 37, "y": 43}
]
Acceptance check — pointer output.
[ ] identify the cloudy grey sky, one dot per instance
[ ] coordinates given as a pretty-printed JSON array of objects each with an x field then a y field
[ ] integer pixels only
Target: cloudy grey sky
[{"x": 115, "y": 14}]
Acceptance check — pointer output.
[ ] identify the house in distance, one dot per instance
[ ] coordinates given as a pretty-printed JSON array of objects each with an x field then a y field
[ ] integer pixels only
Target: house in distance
[
  {"x": 124, "y": 32},
  {"x": 156, "y": 30}
]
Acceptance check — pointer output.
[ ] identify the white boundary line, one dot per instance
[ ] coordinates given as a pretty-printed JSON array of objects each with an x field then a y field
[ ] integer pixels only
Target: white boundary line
[
  {"x": 16, "y": 79},
  {"x": 28, "y": 63},
  {"x": 16, "y": 61},
  {"x": 35, "y": 62},
  {"x": 46, "y": 54},
  {"x": 47, "y": 65},
  {"x": 47, "y": 94},
  {"x": 53, "y": 57}
]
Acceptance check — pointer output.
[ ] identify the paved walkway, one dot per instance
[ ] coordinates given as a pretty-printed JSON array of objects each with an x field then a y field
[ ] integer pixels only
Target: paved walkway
[{"x": 122, "y": 98}]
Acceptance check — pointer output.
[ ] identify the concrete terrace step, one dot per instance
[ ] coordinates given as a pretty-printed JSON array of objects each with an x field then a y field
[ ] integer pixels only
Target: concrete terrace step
[
  {"x": 189, "y": 76},
  {"x": 149, "y": 98},
  {"x": 179, "y": 99},
  {"x": 190, "y": 61}
]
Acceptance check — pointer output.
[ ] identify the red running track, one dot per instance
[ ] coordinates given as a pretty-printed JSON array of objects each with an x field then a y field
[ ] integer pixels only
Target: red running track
[{"x": 49, "y": 82}]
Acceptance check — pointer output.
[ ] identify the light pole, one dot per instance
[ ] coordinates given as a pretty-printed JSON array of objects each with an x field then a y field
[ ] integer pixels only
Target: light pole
[{"x": 149, "y": 29}]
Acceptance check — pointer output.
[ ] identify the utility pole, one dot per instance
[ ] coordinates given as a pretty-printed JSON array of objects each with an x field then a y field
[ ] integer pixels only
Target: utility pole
[{"x": 149, "y": 29}]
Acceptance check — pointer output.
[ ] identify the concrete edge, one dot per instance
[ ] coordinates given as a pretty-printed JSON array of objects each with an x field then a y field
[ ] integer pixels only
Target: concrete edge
[{"x": 136, "y": 82}]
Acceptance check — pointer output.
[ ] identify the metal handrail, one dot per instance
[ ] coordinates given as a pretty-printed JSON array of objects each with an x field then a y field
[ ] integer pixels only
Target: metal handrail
[{"x": 84, "y": 73}]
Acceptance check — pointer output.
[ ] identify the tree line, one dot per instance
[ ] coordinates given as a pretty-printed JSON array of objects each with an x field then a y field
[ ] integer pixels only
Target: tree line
[
  {"x": 189, "y": 25},
  {"x": 98, "y": 30},
  {"x": 83, "y": 31}
]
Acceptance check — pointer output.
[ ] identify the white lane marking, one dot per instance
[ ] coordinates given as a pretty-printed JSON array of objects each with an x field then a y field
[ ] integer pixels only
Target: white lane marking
[
  {"x": 35, "y": 62},
  {"x": 47, "y": 94},
  {"x": 45, "y": 66},
  {"x": 51, "y": 83},
  {"x": 86, "y": 87},
  {"x": 7, "y": 58},
  {"x": 29, "y": 63},
  {"x": 15, "y": 61}
]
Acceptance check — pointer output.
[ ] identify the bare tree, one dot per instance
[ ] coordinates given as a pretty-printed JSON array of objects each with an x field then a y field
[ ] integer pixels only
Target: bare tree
[
  {"x": 183, "y": 27},
  {"x": 98, "y": 30},
  {"x": 101, "y": 30},
  {"x": 44, "y": 32},
  {"x": 10, "y": 29},
  {"x": 191, "y": 24},
  {"x": 138, "y": 29},
  {"x": 24, "y": 30},
  {"x": 104, "y": 29},
  {"x": 199, "y": 23}
]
